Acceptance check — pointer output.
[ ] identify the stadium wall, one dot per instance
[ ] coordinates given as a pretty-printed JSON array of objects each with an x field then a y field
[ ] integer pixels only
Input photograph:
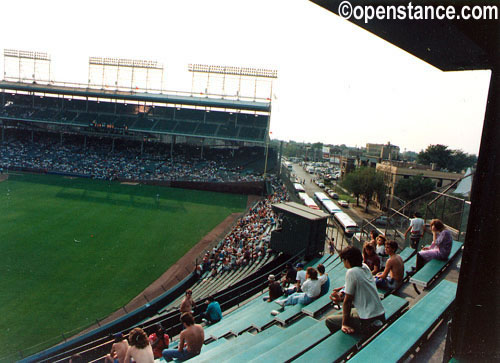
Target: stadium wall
[{"x": 246, "y": 188}]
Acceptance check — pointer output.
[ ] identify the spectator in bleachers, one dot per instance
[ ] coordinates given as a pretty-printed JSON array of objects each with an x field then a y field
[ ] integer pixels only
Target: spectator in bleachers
[
  {"x": 118, "y": 349},
  {"x": 300, "y": 278},
  {"x": 290, "y": 275},
  {"x": 416, "y": 229},
  {"x": 370, "y": 258},
  {"x": 359, "y": 291},
  {"x": 324, "y": 279},
  {"x": 187, "y": 304},
  {"x": 159, "y": 340},
  {"x": 140, "y": 351},
  {"x": 213, "y": 314},
  {"x": 190, "y": 340},
  {"x": 441, "y": 245},
  {"x": 380, "y": 250},
  {"x": 275, "y": 290},
  {"x": 311, "y": 289},
  {"x": 373, "y": 237},
  {"x": 392, "y": 276}
]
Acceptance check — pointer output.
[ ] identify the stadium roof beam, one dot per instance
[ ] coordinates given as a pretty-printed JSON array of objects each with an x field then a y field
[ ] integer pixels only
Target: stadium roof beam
[{"x": 249, "y": 105}]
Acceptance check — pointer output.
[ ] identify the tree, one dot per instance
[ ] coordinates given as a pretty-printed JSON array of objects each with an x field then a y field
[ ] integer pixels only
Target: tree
[
  {"x": 366, "y": 183},
  {"x": 413, "y": 187},
  {"x": 353, "y": 183},
  {"x": 444, "y": 158}
]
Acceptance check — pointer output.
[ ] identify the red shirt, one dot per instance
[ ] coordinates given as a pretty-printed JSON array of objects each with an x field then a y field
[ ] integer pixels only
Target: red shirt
[{"x": 160, "y": 346}]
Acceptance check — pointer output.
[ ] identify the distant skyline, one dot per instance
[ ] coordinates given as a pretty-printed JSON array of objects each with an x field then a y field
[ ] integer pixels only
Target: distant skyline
[{"x": 338, "y": 84}]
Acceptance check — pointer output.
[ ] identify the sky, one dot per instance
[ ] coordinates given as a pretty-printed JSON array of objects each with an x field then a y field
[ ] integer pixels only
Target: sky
[{"x": 337, "y": 83}]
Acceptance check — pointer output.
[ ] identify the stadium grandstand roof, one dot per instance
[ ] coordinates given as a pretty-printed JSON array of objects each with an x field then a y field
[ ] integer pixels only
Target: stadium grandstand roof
[
  {"x": 84, "y": 91},
  {"x": 301, "y": 210}
]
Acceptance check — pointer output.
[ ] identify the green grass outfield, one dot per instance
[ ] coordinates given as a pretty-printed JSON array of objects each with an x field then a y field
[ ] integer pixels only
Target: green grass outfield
[{"x": 75, "y": 250}]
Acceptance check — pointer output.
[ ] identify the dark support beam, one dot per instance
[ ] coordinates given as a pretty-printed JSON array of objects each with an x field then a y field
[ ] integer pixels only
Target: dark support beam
[{"x": 475, "y": 329}]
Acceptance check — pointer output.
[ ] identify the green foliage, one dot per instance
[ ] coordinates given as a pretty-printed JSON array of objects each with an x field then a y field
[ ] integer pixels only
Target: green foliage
[
  {"x": 444, "y": 158},
  {"x": 365, "y": 182},
  {"x": 413, "y": 187},
  {"x": 77, "y": 250}
]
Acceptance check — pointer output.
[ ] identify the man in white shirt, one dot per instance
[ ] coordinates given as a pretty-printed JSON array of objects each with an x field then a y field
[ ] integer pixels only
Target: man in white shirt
[
  {"x": 417, "y": 229},
  {"x": 360, "y": 292}
]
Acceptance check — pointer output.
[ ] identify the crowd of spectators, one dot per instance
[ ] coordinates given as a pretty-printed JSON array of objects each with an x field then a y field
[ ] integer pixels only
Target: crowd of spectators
[
  {"x": 249, "y": 239},
  {"x": 98, "y": 159}
]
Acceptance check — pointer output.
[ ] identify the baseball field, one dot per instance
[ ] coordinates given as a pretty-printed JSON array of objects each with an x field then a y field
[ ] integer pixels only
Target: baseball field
[{"x": 75, "y": 250}]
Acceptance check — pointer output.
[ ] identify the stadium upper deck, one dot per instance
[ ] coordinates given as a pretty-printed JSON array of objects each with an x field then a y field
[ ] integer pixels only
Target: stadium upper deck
[{"x": 121, "y": 112}]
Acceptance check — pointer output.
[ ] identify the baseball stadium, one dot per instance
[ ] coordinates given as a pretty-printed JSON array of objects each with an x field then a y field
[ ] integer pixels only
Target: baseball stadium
[{"x": 128, "y": 211}]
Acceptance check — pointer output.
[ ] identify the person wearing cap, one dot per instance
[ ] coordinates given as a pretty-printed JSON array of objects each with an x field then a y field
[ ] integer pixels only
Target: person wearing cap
[
  {"x": 159, "y": 340},
  {"x": 275, "y": 290},
  {"x": 301, "y": 276},
  {"x": 118, "y": 349}
]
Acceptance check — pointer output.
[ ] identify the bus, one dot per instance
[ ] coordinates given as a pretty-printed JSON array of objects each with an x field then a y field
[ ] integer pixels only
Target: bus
[
  {"x": 326, "y": 203},
  {"x": 299, "y": 188},
  {"x": 348, "y": 225},
  {"x": 303, "y": 196},
  {"x": 309, "y": 202}
]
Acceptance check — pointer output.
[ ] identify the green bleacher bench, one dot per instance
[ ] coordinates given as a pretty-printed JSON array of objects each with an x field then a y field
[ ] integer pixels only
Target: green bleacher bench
[
  {"x": 433, "y": 268},
  {"x": 235, "y": 346},
  {"x": 404, "y": 335},
  {"x": 223, "y": 345},
  {"x": 257, "y": 347},
  {"x": 295, "y": 344},
  {"x": 338, "y": 345}
]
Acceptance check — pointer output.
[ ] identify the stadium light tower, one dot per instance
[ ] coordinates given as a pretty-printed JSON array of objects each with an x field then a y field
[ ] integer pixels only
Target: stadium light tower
[
  {"x": 230, "y": 73},
  {"x": 24, "y": 65},
  {"x": 129, "y": 74}
]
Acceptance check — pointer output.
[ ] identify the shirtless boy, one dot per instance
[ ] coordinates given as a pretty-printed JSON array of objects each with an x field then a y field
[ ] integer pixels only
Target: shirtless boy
[
  {"x": 191, "y": 340},
  {"x": 118, "y": 350},
  {"x": 392, "y": 276}
]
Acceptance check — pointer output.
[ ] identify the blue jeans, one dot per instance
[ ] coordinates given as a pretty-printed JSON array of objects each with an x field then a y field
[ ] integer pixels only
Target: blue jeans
[
  {"x": 298, "y": 298},
  {"x": 169, "y": 354}
]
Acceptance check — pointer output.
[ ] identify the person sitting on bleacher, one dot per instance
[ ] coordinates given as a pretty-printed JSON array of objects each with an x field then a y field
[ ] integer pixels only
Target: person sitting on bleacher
[
  {"x": 311, "y": 289},
  {"x": 380, "y": 250},
  {"x": 275, "y": 290},
  {"x": 140, "y": 350},
  {"x": 360, "y": 291},
  {"x": 213, "y": 314},
  {"x": 118, "y": 350},
  {"x": 370, "y": 258},
  {"x": 290, "y": 276},
  {"x": 392, "y": 276},
  {"x": 439, "y": 249},
  {"x": 187, "y": 304},
  {"x": 323, "y": 279},
  {"x": 159, "y": 340},
  {"x": 190, "y": 340}
]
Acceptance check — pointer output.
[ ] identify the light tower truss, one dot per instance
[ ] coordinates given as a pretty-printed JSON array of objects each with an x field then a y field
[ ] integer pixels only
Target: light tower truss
[
  {"x": 26, "y": 66},
  {"x": 126, "y": 74},
  {"x": 230, "y": 81}
]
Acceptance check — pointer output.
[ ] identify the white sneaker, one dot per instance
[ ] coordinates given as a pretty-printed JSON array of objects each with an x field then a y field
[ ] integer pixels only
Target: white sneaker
[{"x": 274, "y": 312}]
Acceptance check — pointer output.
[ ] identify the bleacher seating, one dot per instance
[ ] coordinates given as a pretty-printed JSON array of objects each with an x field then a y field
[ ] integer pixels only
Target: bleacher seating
[
  {"x": 187, "y": 114},
  {"x": 397, "y": 341},
  {"x": 431, "y": 270},
  {"x": 206, "y": 129}
]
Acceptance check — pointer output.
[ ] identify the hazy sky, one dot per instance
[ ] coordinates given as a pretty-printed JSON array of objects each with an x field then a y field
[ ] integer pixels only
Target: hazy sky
[{"x": 337, "y": 83}]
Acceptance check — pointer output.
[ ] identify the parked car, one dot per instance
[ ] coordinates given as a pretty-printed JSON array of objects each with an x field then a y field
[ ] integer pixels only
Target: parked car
[
  {"x": 321, "y": 185},
  {"x": 384, "y": 221},
  {"x": 344, "y": 203},
  {"x": 334, "y": 195}
]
